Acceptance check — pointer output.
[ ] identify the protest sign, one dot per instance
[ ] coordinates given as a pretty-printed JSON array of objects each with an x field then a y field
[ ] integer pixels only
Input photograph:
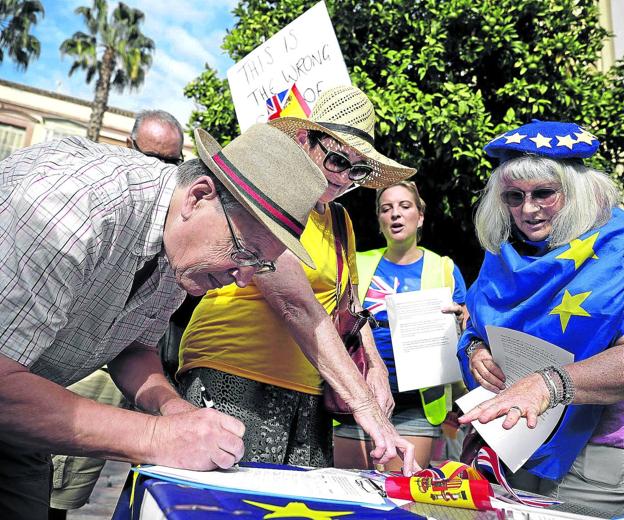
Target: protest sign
[{"x": 305, "y": 53}]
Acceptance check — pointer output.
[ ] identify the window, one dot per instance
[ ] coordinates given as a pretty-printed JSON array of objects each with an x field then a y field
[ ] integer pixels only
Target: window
[
  {"x": 57, "y": 129},
  {"x": 11, "y": 138}
]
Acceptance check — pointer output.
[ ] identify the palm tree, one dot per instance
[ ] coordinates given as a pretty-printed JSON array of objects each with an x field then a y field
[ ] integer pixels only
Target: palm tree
[
  {"x": 16, "y": 19},
  {"x": 115, "y": 50}
]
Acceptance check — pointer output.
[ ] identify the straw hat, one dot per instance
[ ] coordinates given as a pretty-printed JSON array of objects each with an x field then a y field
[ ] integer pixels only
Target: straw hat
[
  {"x": 346, "y": 114},
  {"x": 271, "y": 176}
]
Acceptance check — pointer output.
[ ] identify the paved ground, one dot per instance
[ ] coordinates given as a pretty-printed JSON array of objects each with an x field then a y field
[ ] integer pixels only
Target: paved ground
[{"x": 105, "y": 495}]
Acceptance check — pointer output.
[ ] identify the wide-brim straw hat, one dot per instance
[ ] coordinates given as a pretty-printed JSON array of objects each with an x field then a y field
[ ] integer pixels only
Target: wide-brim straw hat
[
  {"x": 346, "y": 114},
  {"x": 271, "y": 176}
]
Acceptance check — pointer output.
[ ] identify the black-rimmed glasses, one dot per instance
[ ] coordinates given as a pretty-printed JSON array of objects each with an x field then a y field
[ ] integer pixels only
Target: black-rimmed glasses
[
  {"x": 244, "y": 257},
  {"x": 543, "y": 197},
  {"x": 176, "y": 161},
  {"x": 337, "y": 163}
]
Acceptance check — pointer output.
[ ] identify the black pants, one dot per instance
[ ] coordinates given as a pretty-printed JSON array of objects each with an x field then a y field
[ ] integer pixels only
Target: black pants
[{"x": 25, "y": 483}]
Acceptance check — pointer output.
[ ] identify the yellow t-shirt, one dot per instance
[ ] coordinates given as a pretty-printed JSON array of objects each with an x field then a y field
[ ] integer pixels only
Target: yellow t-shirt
[{"x": 235, "y": 331}]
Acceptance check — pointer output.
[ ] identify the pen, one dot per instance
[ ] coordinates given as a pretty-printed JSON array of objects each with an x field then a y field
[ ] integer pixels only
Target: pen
[{"x": 206, "y": 401}]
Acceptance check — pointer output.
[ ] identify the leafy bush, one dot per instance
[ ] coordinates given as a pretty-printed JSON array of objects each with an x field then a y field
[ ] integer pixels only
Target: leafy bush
[{"x": 446, "y": 76}]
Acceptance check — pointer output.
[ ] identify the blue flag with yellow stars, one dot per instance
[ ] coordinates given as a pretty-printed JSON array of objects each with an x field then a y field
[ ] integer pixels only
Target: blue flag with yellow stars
[
  {"x": 571, "y": 296},
  {"x": 180, "y": 502}
]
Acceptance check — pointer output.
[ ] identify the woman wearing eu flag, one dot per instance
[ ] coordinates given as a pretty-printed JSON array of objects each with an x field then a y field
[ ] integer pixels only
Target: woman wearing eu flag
[{"x": 553, "y": 269}]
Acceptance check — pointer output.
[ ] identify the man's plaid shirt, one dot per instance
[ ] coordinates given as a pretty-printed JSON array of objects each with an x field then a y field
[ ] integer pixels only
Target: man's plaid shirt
[{"x": 77, "y": 220}]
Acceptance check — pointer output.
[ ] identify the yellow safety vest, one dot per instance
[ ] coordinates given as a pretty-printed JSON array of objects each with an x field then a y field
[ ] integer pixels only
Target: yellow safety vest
[{"x": 437, "y": 272}]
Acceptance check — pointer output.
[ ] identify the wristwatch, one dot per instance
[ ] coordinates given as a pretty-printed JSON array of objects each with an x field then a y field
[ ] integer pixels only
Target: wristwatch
[{"x": 474, "y": 345}]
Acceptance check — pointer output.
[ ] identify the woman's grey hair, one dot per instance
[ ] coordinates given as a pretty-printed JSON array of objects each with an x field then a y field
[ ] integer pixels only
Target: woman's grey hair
[
  {"x": 589, "y": 197},
  {"x": 156, "y": 115},
  {"x": 192, "y": 169}
]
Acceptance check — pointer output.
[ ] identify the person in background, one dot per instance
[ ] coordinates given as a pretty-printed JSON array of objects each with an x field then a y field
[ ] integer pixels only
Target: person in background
[
  {"x": 262, "y": 352},
  {"x": 401, "y": 266},
  {"x": 157, "y": 134},
  {"x": 98, "y": 245},
  {"x": 554, "y": 236}
]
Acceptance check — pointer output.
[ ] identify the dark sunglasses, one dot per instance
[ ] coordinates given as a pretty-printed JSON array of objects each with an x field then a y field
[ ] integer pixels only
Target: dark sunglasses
[
  {"x": 176, "y": 161},
  {"x": 337, "y": 163},
  {"x": 543, "y": 197},
  {"x": 244, "y": 257}
]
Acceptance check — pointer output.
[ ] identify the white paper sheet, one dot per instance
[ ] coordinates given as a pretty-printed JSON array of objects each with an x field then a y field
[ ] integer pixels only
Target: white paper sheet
[
  {"x": 314, "y": 485},
  {"x": 424, "y": 340},
  {"x": 518, "y": 354}
]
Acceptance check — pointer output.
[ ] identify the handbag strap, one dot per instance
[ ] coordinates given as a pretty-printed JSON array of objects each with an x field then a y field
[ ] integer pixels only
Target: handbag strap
[{"x": 341, "y": 242}]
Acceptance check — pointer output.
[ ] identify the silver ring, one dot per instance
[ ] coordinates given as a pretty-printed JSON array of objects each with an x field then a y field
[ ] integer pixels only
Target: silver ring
[{"x": 516, "y": 408}]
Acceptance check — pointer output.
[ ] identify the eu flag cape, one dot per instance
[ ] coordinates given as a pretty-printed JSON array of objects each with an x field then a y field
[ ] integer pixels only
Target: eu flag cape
[{"x": 573, "y": 297}]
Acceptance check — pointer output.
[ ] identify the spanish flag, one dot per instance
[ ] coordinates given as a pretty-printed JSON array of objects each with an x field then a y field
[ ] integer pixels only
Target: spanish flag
[{"x": 288, "y": 103}]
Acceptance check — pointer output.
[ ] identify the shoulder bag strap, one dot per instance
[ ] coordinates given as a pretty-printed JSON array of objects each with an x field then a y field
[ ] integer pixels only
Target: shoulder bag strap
[{"x": 341, "y": 242}]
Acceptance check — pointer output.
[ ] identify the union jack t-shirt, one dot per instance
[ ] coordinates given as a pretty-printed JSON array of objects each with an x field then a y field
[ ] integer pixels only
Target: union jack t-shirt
[{"x": 391, "y": 278}]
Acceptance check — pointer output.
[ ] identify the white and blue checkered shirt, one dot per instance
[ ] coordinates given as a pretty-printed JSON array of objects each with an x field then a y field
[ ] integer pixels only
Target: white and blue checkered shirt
[{"x": 77, "y": 220}]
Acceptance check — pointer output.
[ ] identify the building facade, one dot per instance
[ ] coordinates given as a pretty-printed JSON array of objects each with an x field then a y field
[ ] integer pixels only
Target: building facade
[{"x": 31, "y": 115}]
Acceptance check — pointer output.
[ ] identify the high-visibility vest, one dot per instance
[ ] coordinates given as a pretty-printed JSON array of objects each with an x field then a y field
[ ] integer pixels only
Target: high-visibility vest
[{"x": 437, "y": 272}]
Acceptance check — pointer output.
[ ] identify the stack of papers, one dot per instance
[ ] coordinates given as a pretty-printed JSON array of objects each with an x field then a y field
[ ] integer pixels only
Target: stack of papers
[
  {"x": 518, "y": 354},
  {"x": 326, "y": 485}
]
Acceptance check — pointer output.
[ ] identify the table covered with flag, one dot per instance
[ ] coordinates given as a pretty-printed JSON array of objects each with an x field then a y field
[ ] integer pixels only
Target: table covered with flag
[{"x": 145, "y": 497}]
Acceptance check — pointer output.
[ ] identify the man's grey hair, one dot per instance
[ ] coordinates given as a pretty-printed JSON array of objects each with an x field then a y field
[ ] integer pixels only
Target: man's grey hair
[
  {"x": 589, "y": 197},
  {"x": 156, "y": 115},
  {"x": 192, "y": 169}
]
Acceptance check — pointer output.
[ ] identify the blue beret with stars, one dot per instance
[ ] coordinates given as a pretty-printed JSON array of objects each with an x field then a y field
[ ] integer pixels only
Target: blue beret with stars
[{"x": 552, "y": 139}]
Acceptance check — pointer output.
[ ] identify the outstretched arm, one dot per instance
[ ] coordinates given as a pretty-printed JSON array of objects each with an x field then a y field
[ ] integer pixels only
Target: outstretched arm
[
  {"x": 138, "y": 373},
  {"x": 597, "y": 380},
  {"x": 288, "y": 292},
  {"x": 377, "y": 377},
  {"x": 41, "y": 414}
]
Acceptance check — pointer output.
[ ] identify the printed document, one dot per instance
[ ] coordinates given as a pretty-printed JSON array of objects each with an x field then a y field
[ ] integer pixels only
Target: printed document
[
  {"x": 424, "y": 339},
  {"x": 518, "y": 354},
  {"x": 322, "y": 484}
]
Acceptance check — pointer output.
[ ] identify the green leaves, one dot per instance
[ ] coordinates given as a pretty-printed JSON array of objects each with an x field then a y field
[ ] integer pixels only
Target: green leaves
[
  {"x": 445, "y": 78},
  {"x": 126, "y": 58},
  {"x": 16, "y": 20}
]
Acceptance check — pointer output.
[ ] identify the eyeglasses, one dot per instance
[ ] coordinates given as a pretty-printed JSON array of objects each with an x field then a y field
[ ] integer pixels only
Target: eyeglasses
[
  {"x": 543, "y": 197},
  {"x": 245, "y": 258},
  {"x": 176, "y": 161},
  {"x": 337, "y": 163}
]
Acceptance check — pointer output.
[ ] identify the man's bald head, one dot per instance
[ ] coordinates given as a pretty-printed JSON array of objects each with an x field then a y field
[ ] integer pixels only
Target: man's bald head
[{"x": 157, "y": 133}]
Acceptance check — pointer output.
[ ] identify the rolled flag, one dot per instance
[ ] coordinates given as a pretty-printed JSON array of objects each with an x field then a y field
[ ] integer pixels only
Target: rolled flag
[{"x": 453, "y": 485}]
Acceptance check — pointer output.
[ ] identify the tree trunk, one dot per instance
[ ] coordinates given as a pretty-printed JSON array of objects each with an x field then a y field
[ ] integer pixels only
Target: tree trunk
[{"x": 102, "y": 87}]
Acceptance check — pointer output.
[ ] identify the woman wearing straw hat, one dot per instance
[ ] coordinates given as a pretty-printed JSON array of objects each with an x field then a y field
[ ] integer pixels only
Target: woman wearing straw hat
[{"x": 263, "y": 351}]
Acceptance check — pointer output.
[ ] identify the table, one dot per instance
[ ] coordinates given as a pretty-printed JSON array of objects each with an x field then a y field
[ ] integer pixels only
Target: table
[{"x": 156, "y": 499}]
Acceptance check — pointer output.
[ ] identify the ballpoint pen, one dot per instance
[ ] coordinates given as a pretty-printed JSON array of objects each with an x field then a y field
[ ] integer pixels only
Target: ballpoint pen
[{"x": 206, "y": 401}]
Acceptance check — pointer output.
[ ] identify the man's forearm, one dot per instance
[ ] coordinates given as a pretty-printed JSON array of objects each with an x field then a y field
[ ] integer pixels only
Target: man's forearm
[
  {"x": 46, "y": 416},
  {"x": 137, "y": 372}
]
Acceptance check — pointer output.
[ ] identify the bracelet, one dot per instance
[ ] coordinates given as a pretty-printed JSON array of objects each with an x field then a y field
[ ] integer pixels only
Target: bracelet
[
  {"x": 473, "y": 346},
  {"x": 562, "y": 391},
  {"x": 550, "y": 385},
  {"x": 568, "y": 385}
]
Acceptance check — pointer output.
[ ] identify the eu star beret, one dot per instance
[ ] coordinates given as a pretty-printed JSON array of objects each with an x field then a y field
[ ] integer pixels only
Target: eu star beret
[{"x": 553, "y": 139}]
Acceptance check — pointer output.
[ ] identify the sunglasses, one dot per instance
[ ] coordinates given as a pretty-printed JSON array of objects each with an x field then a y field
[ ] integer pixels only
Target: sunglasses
[
  {"x": 337, "y": 163},
  {"x": 543, "y": 197},
  {"x": 176, "y": 161},
  {"x": 245, "y": 258}
]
